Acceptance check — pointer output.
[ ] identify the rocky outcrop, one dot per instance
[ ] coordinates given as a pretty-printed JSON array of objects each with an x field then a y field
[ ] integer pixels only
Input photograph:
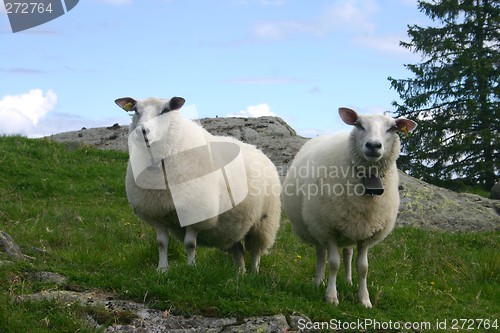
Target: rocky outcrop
[
  {"x": 428, "y": 206},
  {"x": 133, "y": 317}
]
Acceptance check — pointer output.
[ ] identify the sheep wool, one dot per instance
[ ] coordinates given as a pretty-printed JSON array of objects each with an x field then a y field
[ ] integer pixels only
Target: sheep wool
[
  {"x": 253, "y": 220},
  {"x": 323, "y": 194}
]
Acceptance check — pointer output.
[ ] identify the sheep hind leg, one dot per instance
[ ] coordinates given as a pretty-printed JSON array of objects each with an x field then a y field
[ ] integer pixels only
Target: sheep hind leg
[
  {"x": 320, "y": 264},
  {"x": 256, "y": 244},
  {"x": 362, "y": 269},
  {"x": 333, "y": 265},
  {"x": 190, "y": 245},
  {"x": 162, "y": 243},
  {"x": 347, "y": 252},
  {"x": 238, "y": 255},
  {"x": 255, "y": 254}
]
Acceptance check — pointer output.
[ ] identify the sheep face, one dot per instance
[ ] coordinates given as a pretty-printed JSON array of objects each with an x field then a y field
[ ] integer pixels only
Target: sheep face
[
  {"x": 375, "y": 136},
  {"x": 148, "y": 109}
]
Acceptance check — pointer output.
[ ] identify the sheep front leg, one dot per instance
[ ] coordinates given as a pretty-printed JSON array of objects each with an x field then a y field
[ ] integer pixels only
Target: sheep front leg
[
  {"x": 162, "y": 243},
  {"x": 190, "y": 245},
  {"x": 347, "y": 252},
  {"x": 334, "y": 265},
  {"x": 362, "y": 269},
  {"x": 320, "y": 264}
]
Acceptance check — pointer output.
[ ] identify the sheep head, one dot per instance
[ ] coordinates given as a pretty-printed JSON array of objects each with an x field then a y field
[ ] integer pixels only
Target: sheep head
[
  {"x": 148, "y": 109},
  {"x": 375, "y": 137}
]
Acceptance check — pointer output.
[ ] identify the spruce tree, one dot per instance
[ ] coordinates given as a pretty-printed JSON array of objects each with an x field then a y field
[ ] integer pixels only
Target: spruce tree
[{"x": 454, "y": 94}]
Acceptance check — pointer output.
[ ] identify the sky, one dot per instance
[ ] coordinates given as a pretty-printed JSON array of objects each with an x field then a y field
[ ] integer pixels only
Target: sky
[{"x": 296, "y": 59}]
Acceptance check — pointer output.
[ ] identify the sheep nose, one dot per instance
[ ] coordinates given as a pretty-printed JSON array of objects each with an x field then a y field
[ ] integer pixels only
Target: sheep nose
[{"x": 373, "y": 145}]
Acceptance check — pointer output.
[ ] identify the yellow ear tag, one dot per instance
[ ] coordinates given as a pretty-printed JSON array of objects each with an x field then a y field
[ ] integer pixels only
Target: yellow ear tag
[
  {"x": 128, "y": 107},
  {"x": 404, "y": 129}
]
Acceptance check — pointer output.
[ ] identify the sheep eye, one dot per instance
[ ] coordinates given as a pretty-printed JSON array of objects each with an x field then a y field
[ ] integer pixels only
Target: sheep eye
[
  {"x": 393, "y": 129},
  {"x": 359, "y": 126}
]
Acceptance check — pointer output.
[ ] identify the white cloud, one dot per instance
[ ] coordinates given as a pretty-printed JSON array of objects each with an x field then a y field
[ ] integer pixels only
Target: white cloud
[
  {"x": 343, "y": 15},
  {"x": 20, "y": 114},
  {"x": 259, "y": 110}
]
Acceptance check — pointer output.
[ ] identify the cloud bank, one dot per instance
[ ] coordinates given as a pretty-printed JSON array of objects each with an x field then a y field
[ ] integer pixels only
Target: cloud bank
[
  {"x": 252, "y": 111},
  {"x": 21, "y": 113}
]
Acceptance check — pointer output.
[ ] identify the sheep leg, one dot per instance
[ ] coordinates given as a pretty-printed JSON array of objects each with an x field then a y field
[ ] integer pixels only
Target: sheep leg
[
  {"x": 347, "y": 252},
  {"x": 238, "y": 255},
  {"x": 255, "y": 261},
  {"x": 334, "y": 265},
  {"x": 190, "y": 245},
  {"x": 320, "y": 264},
  {"x": 162, "y": 243},
  {"x": 362, "y": 269}
]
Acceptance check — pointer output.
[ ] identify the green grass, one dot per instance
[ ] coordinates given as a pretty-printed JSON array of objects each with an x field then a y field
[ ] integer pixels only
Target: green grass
[{"x": 70, "y": 202}]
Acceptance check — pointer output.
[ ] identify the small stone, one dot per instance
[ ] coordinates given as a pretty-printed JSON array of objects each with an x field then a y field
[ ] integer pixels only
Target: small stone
[
  {"x": 50, "y": 277},
  {"x": 8, "y": 246}
]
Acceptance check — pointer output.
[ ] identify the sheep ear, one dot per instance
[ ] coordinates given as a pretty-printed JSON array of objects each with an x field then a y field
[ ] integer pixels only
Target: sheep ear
[
  {"x": 126, "y": 103},
  {"x": 176, "y": 103},
  {"x": 405, "y": 125},
  {"x": 349, "y": 116}
]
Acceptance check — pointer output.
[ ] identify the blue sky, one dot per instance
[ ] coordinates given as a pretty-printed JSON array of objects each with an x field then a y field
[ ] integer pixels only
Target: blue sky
[{"x": 297, "y": 59}]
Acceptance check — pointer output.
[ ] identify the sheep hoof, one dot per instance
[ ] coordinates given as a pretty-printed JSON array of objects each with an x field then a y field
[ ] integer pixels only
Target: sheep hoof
[
  {"x": 318, "y": 282},
  {"x": 162, "y": 270},
  {"x": 349, "y": 282},
  {"x": 366, "y": 303},
  {"x": 332, "y": 300}
]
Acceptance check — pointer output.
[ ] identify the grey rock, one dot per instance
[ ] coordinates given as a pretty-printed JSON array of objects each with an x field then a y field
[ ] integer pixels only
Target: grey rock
[
  {"x": 8, "y": 246},
  {"x": 50, "y": 277},
  {"x": 155, "y": 321},
  {"x": 428, "y": 206}
]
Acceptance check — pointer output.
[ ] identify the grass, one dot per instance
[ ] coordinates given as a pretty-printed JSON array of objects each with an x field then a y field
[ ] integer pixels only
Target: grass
[{"x": 70, "y": 202}]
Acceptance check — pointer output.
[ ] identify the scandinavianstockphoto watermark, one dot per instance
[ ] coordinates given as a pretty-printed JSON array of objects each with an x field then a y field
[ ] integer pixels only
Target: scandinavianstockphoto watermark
[
  {"x": 329, "y": 180},
  {"x": 25, "y": 15}
]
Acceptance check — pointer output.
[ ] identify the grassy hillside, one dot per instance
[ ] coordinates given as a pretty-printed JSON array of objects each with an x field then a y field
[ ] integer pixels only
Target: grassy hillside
[{"x": 66, "y": 206}]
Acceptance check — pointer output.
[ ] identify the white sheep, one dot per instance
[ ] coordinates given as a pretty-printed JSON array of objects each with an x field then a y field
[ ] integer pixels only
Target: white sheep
[
  {"x": 254, "y": 219},
  {"x": 342, "y": 190}
]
